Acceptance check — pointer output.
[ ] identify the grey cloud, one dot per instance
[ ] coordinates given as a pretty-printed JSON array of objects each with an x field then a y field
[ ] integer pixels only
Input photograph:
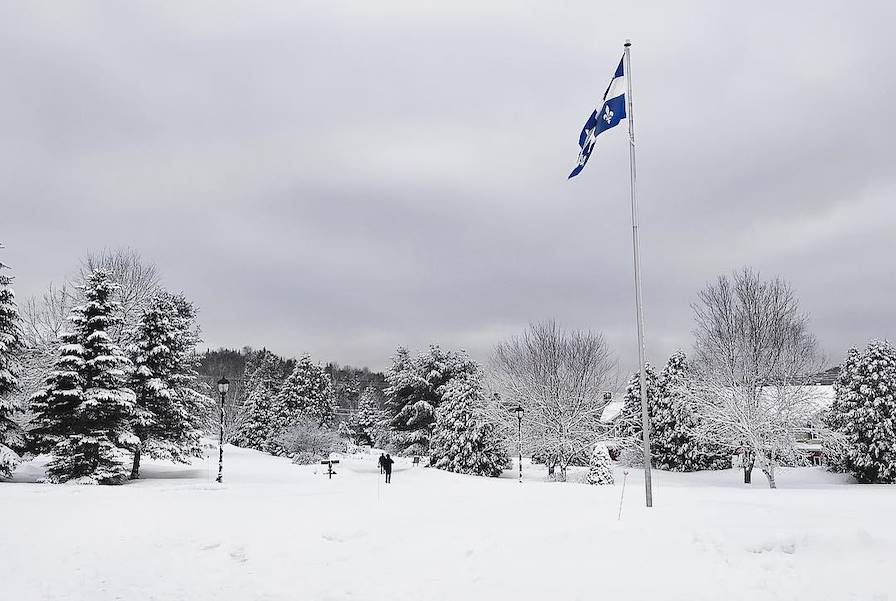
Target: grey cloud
[{"x": 341, "y": 178}]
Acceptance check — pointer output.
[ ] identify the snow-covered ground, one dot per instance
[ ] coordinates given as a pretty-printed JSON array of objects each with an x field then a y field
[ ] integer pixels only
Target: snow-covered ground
[{"x": 275, "y": 531}]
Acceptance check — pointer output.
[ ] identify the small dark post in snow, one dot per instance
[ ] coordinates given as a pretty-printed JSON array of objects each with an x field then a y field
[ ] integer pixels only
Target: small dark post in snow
[
  {"x": 223, "y": 385},
  {"x": 329, "y": 463},
  {"x": 519, "y": 423}
]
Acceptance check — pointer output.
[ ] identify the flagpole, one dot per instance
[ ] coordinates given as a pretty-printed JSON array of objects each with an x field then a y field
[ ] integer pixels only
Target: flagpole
[{"x": 645, "y": 415}]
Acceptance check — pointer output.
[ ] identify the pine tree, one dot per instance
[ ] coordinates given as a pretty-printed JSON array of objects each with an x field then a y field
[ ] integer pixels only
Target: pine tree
[
  {"x": 367, "y": 420},
  {"x": 864, "y": 412},
  {"x": 463, "y": 440},
  {"x": 83, "y": 415},
  {"x": 631, "y": 408},
  {"x": 262, "y": 385},
  {"x": 600, "y": 469},
  {"x": 10, "y": 345},
  {"x": 672, "y": 442},
  {"x": 307, "y": 392},
  {"x": 414, "y": 393},
  {"x": 169, "y": 410}
]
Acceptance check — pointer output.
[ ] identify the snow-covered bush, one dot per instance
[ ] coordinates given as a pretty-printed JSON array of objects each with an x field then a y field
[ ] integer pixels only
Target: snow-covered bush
[
  {"x": 307, "y": 441},
  {"x": 631, "y": 456},
  {"x": 464, "y": 440},
  {"x": 600, "y": 470},
  {"x": 864, "y": 412}
]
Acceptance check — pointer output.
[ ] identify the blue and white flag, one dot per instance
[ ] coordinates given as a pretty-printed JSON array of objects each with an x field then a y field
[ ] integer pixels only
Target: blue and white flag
[{"x": 607, "y": 114}]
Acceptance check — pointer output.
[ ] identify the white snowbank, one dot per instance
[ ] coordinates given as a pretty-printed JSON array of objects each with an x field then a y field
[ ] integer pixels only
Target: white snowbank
[{"x": 276, "y": 531}]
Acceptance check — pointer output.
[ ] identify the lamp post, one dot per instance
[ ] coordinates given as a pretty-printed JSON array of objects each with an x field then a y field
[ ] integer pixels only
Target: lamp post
[
  {"x": 223, "y": 385},
  {"x": 519, "y": 424}
]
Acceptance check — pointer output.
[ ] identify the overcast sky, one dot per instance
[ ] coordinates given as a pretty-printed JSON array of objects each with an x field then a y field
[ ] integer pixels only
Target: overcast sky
[{"x": 344, "y": 177}]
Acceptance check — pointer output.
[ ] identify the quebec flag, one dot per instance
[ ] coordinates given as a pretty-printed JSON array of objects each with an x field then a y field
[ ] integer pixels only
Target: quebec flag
[{"x": 608, "y": 114}]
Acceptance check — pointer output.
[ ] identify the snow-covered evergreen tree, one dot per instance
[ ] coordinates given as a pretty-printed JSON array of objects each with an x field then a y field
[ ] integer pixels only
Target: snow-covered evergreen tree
[
  {"x": 864, "y": 412},
  {"x": 168, "y": 420},
  {"x": 10, "y": 345},
  {"x": 83, "y": 415},
  {"x": 631, "y": 408},
  {"x": 464, "y": 440},
  {"x": 414, "y": 392},
  {"x": 306, "y": 392},
  {"x": 369, "y": 417},
  {"x": 673, "y": 444},
  {"x": 262, "y": 385},
  {"x": 600, "y": 468}
]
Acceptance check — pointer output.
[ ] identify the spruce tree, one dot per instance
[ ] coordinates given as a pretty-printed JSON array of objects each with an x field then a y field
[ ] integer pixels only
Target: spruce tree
[
  {"x": 864, "y": 412},
  {"x": 413, "y": 390},
  {"x": 463, "y": 440},
  {"x": 169, "y": 410},
  {"x": 83, "y": 415},
  {"x": 672, "y": 442},
  {"x": 306, "y": 392},
  {"x": 10, "y": 345},
  {"x": 631, "y": 409},
  {"x": 600, "y": 468},
  {"x": 368, "y": 418},
  {"x": 262, "y": 385}
]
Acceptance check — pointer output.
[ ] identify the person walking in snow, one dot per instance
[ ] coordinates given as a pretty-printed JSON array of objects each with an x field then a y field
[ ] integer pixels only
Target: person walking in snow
[
  {"x": 381, "y": 461},
  {"x": 387, "y": 467}
]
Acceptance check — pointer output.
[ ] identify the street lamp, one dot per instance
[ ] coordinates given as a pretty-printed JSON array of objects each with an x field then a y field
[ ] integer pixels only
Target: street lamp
[
  {"x": 519, "y": 423},
  {"x": 223, "y": 385}
]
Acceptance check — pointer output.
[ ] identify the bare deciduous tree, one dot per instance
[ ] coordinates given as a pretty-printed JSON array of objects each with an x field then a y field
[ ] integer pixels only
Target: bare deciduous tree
[
  {"x": 43, "y": 318},
  {"x": 754, "y": 353},
  {"x": 559, "y": 378},
  {"x": 138, "y": 281}
]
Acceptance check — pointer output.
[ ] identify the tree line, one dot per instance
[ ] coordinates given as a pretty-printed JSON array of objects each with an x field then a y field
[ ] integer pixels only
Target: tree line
[{"x": 105, "y": 370}]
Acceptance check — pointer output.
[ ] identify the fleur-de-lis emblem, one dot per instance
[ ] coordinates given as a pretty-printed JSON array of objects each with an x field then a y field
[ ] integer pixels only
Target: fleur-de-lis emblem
[{"x": 608, "y": 114}]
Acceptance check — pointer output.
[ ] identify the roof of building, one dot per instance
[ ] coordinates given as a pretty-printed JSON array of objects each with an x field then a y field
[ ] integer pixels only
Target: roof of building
[
  {"x": 827, "y": 377},
  {"x": 612, "y": 410}
]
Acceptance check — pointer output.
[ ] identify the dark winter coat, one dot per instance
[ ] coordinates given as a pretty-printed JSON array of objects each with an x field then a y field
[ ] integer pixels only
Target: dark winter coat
[{"x": 387, "y": 464}]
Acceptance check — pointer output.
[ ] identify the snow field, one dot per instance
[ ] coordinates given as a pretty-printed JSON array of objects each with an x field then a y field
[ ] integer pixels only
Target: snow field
[{"x": 276, "y": 531}]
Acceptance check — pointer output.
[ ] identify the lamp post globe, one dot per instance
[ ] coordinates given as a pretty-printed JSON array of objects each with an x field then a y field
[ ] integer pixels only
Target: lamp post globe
[{"x": 223, "y": 387}]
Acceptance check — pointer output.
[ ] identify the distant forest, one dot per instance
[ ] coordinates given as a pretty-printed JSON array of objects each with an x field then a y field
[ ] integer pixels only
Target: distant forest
[{"x": 348, "y": 381}]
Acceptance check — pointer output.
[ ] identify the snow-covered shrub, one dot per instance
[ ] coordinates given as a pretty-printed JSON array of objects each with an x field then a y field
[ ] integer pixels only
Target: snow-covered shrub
[
  {"x": 306, "y": 458},
  {"x": 307, "y": 438},
  {"x": 864, "y": 412},
  {"x": 631, "y": 456},
  {"x": 600, "y": 471}
]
